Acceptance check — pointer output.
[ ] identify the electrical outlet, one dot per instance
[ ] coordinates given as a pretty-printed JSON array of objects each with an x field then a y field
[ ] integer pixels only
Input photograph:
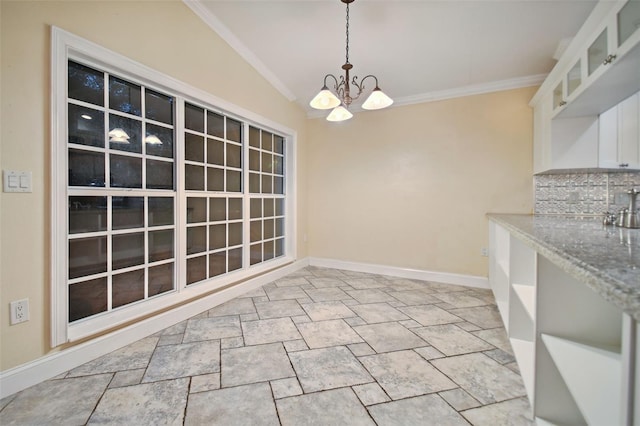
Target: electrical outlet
[
  {"x": 484, "y": 252},
  {"x": 19, "y": 311}
]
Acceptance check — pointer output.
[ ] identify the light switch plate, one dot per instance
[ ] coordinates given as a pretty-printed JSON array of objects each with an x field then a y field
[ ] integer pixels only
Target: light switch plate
[{"x": 16, "y": 181}]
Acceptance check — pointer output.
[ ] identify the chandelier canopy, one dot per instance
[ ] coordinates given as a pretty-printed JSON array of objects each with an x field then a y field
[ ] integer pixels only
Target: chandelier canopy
[{"x": 341, "y": 97}]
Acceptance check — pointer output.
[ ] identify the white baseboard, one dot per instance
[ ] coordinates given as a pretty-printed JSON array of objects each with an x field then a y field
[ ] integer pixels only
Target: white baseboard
[
  {"x": 51, "y": 365},
  {"x": 416, "y": 274}
]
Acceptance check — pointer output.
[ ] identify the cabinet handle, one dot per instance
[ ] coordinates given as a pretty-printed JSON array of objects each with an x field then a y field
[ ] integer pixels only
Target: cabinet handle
[
  {"x": 609, "y": 59},
  {"x": 624, "y": 164},
  {"x": 562, "y": 103}
]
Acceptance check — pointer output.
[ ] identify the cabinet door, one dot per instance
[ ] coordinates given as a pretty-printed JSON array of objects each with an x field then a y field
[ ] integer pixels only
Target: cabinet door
[
  {"x": 542, "y": 134},
  {"x": 629, "y": 132},
  {"x": 608, "y": 139}
]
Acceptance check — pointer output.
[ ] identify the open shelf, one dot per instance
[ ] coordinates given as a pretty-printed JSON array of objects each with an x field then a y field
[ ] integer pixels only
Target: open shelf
[
  {"x": 527, "y": 295},
  {"x": 592, "y": 374},
  {"x": 524, "y": 353}
]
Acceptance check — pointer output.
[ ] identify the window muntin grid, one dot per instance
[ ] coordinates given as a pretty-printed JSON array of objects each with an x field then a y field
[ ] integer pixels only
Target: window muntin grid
[{"x": 121, "y": 245}]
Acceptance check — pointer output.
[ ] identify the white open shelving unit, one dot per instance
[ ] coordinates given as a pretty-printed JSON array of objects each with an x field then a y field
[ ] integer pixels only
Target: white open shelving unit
[{"x": 576, "y": 352}]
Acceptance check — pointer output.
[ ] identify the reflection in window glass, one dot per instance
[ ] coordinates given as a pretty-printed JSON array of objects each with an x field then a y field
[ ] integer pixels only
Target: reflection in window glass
[
  {"x": 235, "y": 234},
  {"x": 234, "y": 181},
  {"x": 215, "y": 124},
  {"x": 196, "y": 209},
  {"x": 87, "y": 298},
  {"x": 86, "y": 126},
  {"x": 217, "y": 209},
  {"x": 87, "y": 256},
  {"x": 217, "y": 264},
  {"x": 125, "y": 96},
  {"x": 255, "y": 253},
  {"x": 254, "y": 137},
  {"x": 193, "y": 147},
  {"x": 234, "y": 155},
  {"x": 235, "y": 259},
  {"x": 194, "y": 178},
  {"x": 234, "y": 130},
  {"x": 160, "y": 279},
  {"x": 215, "y": 152},
  {"x": 87, "y": 214},
  {"x": 125, "y": 134},
  {"x": 217, "y": 236},
  {"x": 196, "y": 269},
  {"x": 215, "y": 179},
  {"x": 160, "y": 211},
  {"x": 85, "y": 84},
  {"x": 235, "y": 208},
  {"x": 196, "y": 239},
  {"x": 128, "y": 212},
  {"x": 128, "y": 250},
  {"x": 160, "y": 245},
  {"x": 159, "y": 141},
  {"x": 127, "y": 287}
]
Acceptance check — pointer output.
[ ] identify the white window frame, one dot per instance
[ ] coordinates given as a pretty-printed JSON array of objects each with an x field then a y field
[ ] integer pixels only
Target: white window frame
[{"x": 66, "y": 46}]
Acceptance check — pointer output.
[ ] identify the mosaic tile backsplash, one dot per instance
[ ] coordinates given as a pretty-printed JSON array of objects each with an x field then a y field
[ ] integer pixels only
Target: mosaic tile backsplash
[{"x": 586, "y": 193}]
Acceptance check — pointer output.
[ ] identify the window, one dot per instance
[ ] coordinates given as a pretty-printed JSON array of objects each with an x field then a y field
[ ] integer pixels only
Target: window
[{"x": 160, "y": 193}]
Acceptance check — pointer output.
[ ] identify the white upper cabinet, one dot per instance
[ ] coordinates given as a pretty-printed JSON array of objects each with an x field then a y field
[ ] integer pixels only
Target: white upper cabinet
[{"x": 599, "y": 70}]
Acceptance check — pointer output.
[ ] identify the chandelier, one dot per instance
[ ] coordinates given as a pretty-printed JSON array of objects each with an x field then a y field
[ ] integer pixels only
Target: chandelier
[{"x": 343, "y": 97}]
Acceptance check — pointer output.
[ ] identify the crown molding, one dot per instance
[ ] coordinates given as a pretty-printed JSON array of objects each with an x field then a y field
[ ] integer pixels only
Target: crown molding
[
  {"x": 225, "y": 33},
  {"x": 458, "y": 92}
]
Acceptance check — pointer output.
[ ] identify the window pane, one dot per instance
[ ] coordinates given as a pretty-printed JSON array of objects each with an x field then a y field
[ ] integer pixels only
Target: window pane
[
  {"x": 159, "y": 174},
  {"x": 194, "y": 118},
  {"x": 196, "y": 239},
  {"x": 217, "y": 264},
  {"x": 217, "y": 236},
  {"x": 277, "y": 164},
  {"x": 215, "y": 152},
  {"x": 256, "y": 230},
  {"x": 254, "y": 137},
  {"x": 234, "y": 155},
  {"x": 127, "y": 250},
  {"x": 127, "y": 288},
  {"x": 256, "y": 207},
  {"x": 267, "y": 141},
  {"x": 194, "y": 177},
  {"x": 266, "y": 163},
  {"x": 234, "y": 181},
  {"x": 215, "y": 179},
  {"x": 86, "y": 168},
  {"x": 278, "y": 185},
  {"x": 196, "y": 269},
  {"x": 160, "y": 211},
  {"x": 280, "y": 247},
  {"x": 160, "y": 279},
  {"x": 86, "y": 126},
  {"x": 196, "y": 210},
  {"x": 266, "y": 184},
  {"x": 268, "y": 228},
  {"x": 279, "y": 206},
  {"x": 279, "y": 227},
  {"x": 160, "y": 245},
  {"x": 268, "y": 207},
  {"x": 234, "y": 130},
  {"x": 215, "y": 124},
  {"x": 254, "y": 160},
  {"x": 158, "y": 107},
  {"x": 125, "y": 134},
  {"x": 87, "y": 256},
  {"x": 235, "y": 234},
  {"x": 87, "y": 298},
  {"x": 126, "y": 172},
  {"x": 87, "y": 214},
  {"x": 255, "y": 253},
  {"x": 128, "y": 212},
  {"x": 194, "y": 147},
  {"x": 235, "y": 208},
  {"x": 217, "y": 209},
  {"x": 159, "y": 141},
  {"x": 269, "y": 250},
  {"x": 254, "y": 183},
  {"x": 124, "y": 96},
  {"x": 235, "y": 259},
  {"x": 85, "y": 84},
  {"x": 278, "y": 144}
]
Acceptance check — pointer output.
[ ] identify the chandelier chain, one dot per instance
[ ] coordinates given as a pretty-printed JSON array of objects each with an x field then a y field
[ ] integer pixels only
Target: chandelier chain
[{"x": 347, "y": 30}]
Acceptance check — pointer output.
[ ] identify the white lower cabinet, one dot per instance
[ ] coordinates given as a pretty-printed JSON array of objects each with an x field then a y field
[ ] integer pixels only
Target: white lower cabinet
[{"x": 576, "y": 352}]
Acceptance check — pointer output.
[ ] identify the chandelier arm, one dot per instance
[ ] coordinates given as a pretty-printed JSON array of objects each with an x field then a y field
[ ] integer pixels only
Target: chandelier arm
[{"x": 372, "y": 76}]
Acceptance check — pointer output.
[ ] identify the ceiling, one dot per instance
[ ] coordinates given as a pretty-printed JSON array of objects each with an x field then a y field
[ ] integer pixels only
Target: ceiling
[{"x": 419, "y": 50}]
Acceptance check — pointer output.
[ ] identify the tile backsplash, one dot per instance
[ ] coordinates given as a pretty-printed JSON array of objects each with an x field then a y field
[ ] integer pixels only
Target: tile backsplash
[{"x": 588, "y": 193}]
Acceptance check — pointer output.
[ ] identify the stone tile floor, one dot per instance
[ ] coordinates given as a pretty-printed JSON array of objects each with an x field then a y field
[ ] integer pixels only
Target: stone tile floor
[{"x": 320, "y": 346}]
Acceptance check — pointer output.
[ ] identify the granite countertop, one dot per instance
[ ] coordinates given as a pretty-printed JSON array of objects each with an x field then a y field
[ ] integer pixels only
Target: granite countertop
[{"x": 605, "y": 258}]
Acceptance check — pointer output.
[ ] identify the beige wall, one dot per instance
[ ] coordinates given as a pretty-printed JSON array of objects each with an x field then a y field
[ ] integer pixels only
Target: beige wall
[
  {"x": 164, "y": 35},
  {"x": 410, "y": 186}
]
